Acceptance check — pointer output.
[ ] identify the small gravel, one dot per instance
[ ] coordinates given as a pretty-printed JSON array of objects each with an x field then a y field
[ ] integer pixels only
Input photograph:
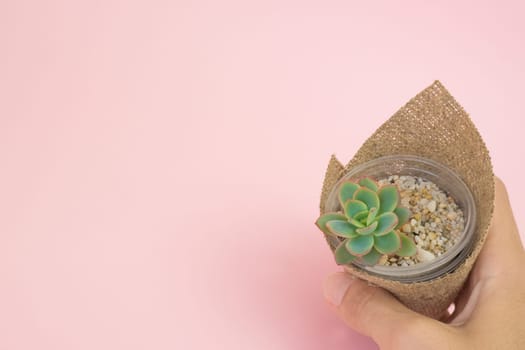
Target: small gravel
[{"x": 436, "y": 221}]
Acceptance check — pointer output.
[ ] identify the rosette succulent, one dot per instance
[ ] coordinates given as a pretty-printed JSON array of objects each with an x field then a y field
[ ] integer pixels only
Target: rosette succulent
[{"x": 368, "y": 226}]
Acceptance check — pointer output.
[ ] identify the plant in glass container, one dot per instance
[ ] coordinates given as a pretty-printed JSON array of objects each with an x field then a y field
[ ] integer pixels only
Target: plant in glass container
[{"x": 400, "y": 225}]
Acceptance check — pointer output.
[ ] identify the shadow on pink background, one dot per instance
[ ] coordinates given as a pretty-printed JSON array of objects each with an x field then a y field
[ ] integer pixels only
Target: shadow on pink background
[{"x": 161, "y": 161}]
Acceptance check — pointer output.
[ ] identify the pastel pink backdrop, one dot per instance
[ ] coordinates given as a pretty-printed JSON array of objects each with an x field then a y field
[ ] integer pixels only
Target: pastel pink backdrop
[{"x": 161, "y": 161}]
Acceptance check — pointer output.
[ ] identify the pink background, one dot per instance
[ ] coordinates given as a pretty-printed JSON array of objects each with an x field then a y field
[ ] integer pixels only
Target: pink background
[{"x": 161, "y": 161}]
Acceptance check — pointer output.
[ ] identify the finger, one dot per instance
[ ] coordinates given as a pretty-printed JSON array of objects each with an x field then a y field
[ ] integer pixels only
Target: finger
[
  {"x": 503, "y": 236},
  {"x": 465, "y": 297},
  {"x": 376, "y": 313},
  {"x": 492, "y": 265},
  {"x": 504, "y": 231},
  {"x": 466, "y": 305}
]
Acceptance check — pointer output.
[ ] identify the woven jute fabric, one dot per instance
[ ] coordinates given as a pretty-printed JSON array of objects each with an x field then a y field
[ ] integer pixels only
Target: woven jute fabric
[{"x": 431, "y": 125}]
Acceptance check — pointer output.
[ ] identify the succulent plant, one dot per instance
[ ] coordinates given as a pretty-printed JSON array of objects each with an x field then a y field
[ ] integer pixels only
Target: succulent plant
[{"x": 369, "y": 225}]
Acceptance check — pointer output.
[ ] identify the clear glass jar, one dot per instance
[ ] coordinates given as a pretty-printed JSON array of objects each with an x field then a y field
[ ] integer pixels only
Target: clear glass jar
[{"x": 448, "y": 181}]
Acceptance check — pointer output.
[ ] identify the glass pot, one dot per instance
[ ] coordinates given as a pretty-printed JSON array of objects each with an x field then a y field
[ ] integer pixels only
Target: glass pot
[{"x": 448, "y": 181}]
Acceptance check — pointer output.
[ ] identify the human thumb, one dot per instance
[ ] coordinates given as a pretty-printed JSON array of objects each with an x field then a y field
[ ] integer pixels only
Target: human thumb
[{"x": 376, "y": 313}]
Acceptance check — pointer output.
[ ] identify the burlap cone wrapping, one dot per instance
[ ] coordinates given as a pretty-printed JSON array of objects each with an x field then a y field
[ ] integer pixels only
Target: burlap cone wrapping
[{"x": 431, "y": 125}]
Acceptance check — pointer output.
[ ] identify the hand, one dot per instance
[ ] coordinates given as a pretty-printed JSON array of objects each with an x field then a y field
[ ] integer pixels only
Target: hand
[{"x": 489, "y": 311}]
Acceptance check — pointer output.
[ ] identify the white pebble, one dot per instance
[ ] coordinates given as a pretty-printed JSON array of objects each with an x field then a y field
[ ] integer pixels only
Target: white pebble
[
  {"x": 424, "y": 255},
  {"x": 406, "y": 228},
  {"x": 431, "y": 206},
  {"x": 383, "y": 260}
]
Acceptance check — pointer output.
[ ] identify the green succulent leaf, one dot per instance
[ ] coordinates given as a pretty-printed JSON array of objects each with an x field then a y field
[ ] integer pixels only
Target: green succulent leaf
[
  {"x": 353, "y": 207},
  {"x": 356, "y": 223},
  {"x": 323, "y": 219},
  {"x": 371, "y": 216},
  {"x": 341, "y": 228},
  {"x": 361, "y": 216},
  {"x": 368, "y": 230},
  {"x": 386, "y": 223},
  {"x": 372, "y": 257},
  {"x": 360, "y": 245},
  {"x": 408, "y": 247},
  {"x": 346, "y": 191},
  {"x": 368, "y": 197},
  {"x": 402, "y": 214},
  {"x": 368, "y": 183},
  {"x": 342, "y": 255},
  {"x": 387, "y": 244},
  {"x": 389, "y": 197}
]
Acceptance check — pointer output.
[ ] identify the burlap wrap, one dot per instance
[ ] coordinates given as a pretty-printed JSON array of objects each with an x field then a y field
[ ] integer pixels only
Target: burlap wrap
[{"x": 435, "y": 126}]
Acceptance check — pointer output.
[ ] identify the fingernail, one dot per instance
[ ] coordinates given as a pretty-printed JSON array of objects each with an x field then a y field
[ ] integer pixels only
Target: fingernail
[{"x": 335, "y": 287}]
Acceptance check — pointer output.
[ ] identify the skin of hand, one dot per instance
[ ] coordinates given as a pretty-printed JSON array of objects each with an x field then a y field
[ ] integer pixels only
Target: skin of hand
[{"x": 489, "y": 312}]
